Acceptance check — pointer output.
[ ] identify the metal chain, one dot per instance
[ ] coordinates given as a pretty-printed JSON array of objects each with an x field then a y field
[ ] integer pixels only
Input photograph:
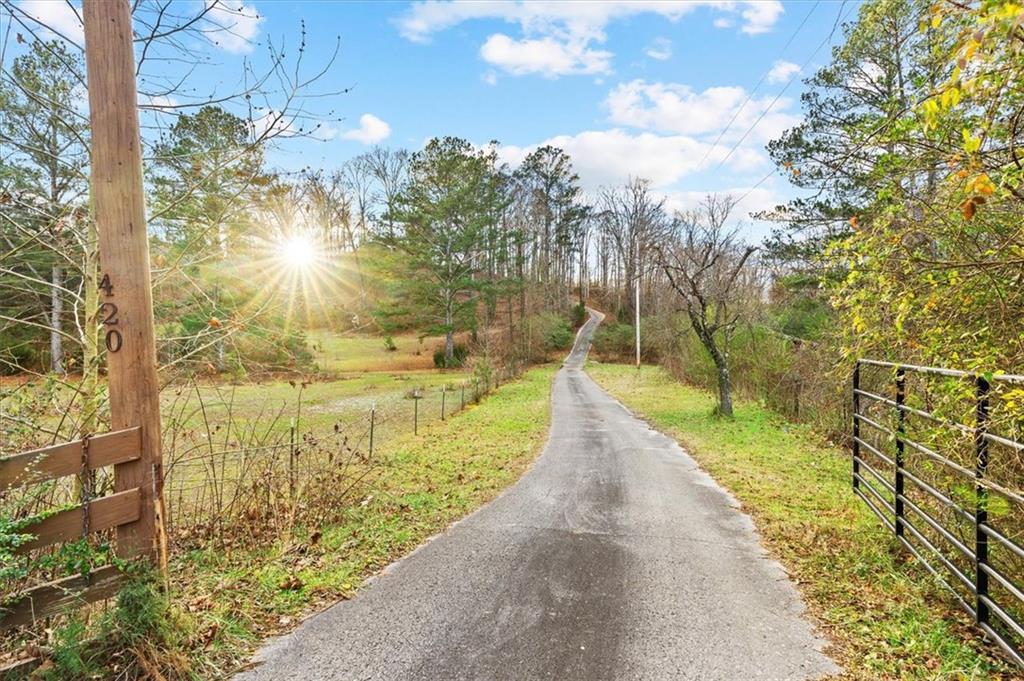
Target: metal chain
[{"x": 85, "y": 480}]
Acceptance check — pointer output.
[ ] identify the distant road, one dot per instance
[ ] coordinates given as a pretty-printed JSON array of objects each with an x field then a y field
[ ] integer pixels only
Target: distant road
[{"x": 614, "y": 557}]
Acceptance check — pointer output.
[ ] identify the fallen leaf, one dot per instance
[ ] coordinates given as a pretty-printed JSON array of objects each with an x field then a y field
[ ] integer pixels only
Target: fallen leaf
[{"x": 291, "y": 583}]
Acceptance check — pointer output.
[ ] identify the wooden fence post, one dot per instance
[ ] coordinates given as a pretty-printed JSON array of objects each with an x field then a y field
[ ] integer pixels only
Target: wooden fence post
[{"x": 126, "y": 296}]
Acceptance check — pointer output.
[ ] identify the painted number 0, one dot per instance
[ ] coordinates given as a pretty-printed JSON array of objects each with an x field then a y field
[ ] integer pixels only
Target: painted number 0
[{"x": 108, "y": 314}]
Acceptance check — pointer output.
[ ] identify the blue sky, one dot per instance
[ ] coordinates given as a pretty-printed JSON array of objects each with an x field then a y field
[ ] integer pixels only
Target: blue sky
[{"x": 627, "y": 88}]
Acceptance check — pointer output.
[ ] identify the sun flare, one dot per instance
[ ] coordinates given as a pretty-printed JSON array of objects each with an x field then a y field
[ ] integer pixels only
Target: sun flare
[{"x": 298, "y": 252}]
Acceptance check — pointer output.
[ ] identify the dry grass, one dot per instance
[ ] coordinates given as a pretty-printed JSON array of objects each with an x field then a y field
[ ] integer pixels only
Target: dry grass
[{"x": 342, "y": 354}]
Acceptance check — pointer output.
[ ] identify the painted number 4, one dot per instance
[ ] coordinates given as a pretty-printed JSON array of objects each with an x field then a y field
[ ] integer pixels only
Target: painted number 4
[{"x": 108, "y": 317}]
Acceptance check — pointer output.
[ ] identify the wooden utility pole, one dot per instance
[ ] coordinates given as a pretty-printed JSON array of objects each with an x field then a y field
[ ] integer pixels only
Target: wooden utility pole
[{"x": 126, "y": 297}]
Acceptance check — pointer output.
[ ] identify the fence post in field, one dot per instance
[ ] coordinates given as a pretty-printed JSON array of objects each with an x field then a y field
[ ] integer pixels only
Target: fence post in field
[
  {"x": 463, "y": 403},
  {"x": 981, "y": 500},
  {"x": 415, "y": 413},
  {"x": 442, "y": 402},
  {"x": 901, "y": 427},
  {"x": 291, "y": 463},
  {"x": 373, "y": 415},
  {"x": 126, "y": 309}
]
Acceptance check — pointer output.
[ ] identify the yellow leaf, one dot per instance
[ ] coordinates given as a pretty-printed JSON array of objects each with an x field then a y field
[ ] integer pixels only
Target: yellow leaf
[{"x": 971, "y": 143}]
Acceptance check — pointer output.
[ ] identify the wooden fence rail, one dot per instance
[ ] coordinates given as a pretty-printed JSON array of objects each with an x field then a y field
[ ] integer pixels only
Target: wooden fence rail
[{"x": 79, "y": 458}]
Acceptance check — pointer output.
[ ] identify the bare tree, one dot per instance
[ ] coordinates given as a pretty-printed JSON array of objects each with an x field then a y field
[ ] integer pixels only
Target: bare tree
[
  {"x": 48, "y": 254},
  {"x": 390, "y": 168},
  {"x": 707, "y": 266},
  {"x": 633, "y": 222}
]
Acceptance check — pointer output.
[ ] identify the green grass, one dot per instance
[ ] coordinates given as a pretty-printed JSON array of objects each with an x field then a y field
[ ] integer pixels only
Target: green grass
[
  {"x": 323, "y": 402},
  {"x": 336, "y": 353},
  {"x": 423, "y": 484},
  {"x": 887, "y": 617}
]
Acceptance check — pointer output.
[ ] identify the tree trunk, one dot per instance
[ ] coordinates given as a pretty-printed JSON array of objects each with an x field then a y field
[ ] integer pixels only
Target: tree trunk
[
  {"x": 56, "y": 316},
  {"x": 449, "y": 337},
  {"x": 90, "y": 351},
  {"x": 90, "y": 342},
  {"x": 449, "y": 348},
  {"x": 724, "y": 389}
]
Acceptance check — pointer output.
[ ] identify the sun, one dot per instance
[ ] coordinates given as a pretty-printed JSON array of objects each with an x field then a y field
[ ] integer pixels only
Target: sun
[{"x": 298, "y": 252}]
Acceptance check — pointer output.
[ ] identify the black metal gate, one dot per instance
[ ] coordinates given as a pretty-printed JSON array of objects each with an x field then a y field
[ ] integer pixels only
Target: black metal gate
[{"x": 927, "y": 462}]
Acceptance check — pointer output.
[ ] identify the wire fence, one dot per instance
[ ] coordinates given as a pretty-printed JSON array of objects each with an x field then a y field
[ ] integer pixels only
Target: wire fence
[
  {"x": 241, "y": 479},
  {"x": 243, "y": 475}
]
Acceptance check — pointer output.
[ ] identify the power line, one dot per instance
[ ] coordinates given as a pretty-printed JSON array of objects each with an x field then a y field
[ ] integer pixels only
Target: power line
[
  {"x": 759, "y": 183},
  {"x": 828, "y": 38},
  {"x": 764, "y": 76}
]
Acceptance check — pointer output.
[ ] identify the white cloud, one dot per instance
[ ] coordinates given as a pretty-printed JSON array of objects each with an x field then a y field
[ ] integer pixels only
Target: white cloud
[
  {"x": 722, "y": 22},
  {"x": 370, "y": 131},
  {"x": 558, "y": 37},
  {"x": 760, "y": 17},
  {"x": 325, "y": 131},
  {"x": 157, "y": 101},
  {"x": 676, "y": 108},
  {"x": 660, "y": 49},
  {"x": 546, "y": 56},
  {"x": 57, "y": 16},
  {"x": 239, "y": 25},
  {"x": 675, "y": 165},
  {"x": 273, "y": 124},
  {"x": 608, "y": 157},
  {"x": 491, "y": 78},
  {"x": 782, "y": 71},
  {"x": 867, "y": 77},
  {"x": 752, "y": 200}
]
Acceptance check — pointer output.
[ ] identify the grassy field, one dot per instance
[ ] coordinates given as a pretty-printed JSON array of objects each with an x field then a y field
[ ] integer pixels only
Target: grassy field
[
  {"x": 319, "y": 403},
  {"x": 423, "y": 483},
  {"x": 353, "y": 373},
  {"x": 356, "y": 353},
  {"x": 226, "y": 598},
  {"x": 221, "y": 438},
  {"x": 887, "y": 617}
]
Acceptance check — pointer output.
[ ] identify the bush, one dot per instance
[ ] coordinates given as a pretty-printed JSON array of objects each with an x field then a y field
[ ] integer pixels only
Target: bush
[
  {"x": 558, "y": 335},
  {"x": 546, "y": 333},
  {"x": 615, "y": 340},
  {"x": 460, "y": 353},
  {"x": 578, "y": 315},
  {"x": 389, "y": 344},
  {"x": 142, "y": 633}
]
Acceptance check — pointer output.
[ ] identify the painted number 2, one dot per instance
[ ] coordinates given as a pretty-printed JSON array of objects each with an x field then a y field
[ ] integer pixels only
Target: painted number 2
[{"x": 108, "y": 317}]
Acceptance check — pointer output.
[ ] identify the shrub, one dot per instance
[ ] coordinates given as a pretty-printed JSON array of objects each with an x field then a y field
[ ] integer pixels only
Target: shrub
[
  {"x": 545, "y": 333},
  {"x": 578, "y": 315},
  {"x": 142, "y": 634},
  {"x": 389, "y": 344},
  {"x": 558, "y": 335},
  {"x": 459, "y": 355},
  {"x": 615, "y": 340}
]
